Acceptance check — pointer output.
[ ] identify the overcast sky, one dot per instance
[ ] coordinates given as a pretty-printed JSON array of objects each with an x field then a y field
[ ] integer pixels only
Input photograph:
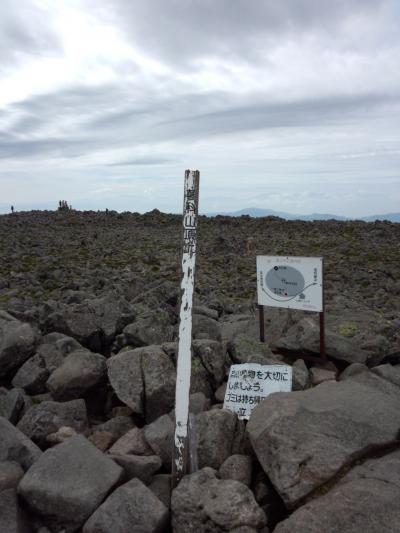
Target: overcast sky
[{"x": 285, "y": 104}]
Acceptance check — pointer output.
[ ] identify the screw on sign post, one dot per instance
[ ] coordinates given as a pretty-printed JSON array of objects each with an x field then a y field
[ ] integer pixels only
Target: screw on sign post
[{"x": 190, "y": 211}]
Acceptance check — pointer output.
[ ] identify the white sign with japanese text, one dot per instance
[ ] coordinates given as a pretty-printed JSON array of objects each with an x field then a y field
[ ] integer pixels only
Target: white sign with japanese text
[
  {"x": 250, "y": 383},
  {"x": 290, "y": 282}
]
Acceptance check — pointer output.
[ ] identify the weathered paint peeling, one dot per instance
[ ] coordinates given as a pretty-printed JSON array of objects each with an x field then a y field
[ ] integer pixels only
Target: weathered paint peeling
[{"x": 190, "y": 211}]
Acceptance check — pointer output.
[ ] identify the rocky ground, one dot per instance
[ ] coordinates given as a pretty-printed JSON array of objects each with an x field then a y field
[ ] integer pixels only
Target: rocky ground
[{"x": 89, "y": 307}]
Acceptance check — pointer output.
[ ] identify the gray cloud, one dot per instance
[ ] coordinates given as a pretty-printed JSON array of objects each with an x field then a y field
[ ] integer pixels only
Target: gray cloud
[
  {"x": 99, "y": 125},
  {"x": 185, "y": 31},
  {"x": 301, "y": 92},
  {"x": 24, "y": 31},
  {"x": 141, "y": 161}
]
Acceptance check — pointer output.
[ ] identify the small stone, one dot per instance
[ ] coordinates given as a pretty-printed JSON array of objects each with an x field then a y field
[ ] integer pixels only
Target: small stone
[
  {"x": 17, "y": 343},
  {"x": 61, "y": 435},
  {"x": 48, "y": 417},
  {"x": 117, "y": 426},
  {"x": 161, "y": 487},
  {"x": 353, "y": 370},
  {"x": 131, "y": 507},
  {"x": 102, "y": 440},
  {"x": 79, "y": 373},
  {"x": 133, "y": 442},
  {"x": 11, "y": 405},
  {"x": 10, "y": 475},
  {"x": 319, "y": 375},
  {"x": 160, "y": 437},
  {"x": 121, "y": 410},
  {"x": 237, "y": 467},
  {"x": 15, "y": 446},
  {"x": 301, "y": 375},
  {"x": 142, "y": 467},
  {"x": 32, "y": 375},
  {"x": 220, "y": 393}
]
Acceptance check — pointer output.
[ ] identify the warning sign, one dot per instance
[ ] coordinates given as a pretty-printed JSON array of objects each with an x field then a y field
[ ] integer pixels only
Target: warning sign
[{"x": 250, "y": 383}]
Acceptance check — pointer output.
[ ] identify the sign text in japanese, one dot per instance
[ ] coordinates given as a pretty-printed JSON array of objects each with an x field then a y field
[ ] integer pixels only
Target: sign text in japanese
[{"x": 250, "y": 383}]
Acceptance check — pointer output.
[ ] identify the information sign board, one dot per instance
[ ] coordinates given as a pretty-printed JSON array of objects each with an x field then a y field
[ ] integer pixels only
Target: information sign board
[
  {"x": 290, "y": 282},
  {"x": 250, "y": 383}
]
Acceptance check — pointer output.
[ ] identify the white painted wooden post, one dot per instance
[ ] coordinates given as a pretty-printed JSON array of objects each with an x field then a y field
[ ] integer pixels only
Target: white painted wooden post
[{"x": 190, "y": 211}]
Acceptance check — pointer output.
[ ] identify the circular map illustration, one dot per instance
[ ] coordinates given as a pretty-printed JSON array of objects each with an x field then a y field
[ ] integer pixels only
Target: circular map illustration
[{"x": 285, "y": 281}]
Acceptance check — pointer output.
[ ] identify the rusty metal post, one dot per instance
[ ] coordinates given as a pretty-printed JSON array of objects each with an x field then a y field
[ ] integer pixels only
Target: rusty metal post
[
  {"x": 261, "y": 320},
  {"x": 322, "y": 319},
  {"x": 322, "y": 335}
]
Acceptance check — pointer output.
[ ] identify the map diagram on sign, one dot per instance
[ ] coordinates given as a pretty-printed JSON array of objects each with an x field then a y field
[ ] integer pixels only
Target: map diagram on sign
[{"x": 291, "y": 282}]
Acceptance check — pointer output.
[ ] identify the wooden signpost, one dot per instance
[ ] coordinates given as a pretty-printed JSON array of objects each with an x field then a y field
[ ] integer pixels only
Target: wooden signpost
[{"x": 190, "y": 212}]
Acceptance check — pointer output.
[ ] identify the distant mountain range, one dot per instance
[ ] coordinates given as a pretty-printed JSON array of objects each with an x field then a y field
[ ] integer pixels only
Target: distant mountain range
[{"x": 257, "y": 212}]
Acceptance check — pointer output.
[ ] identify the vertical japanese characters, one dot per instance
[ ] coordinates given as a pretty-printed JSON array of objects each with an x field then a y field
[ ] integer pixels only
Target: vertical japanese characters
[{"x": 190, "y": 210}]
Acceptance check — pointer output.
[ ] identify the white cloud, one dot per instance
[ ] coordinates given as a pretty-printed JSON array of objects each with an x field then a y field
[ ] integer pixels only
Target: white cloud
[{"x": 261, "y": 97}]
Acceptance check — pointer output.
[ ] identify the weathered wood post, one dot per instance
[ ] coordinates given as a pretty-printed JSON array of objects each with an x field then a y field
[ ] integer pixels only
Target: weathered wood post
[{"x": 190, "y": 212}]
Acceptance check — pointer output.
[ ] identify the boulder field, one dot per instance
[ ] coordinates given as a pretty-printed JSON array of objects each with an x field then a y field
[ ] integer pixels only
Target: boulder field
[{"x": 89, "y": 306}]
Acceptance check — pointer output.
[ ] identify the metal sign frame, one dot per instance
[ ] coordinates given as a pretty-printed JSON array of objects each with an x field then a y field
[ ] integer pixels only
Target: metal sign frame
[{"x": 323, "y": 356}]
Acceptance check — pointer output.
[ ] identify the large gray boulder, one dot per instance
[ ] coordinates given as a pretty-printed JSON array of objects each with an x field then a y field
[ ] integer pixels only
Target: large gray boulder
[
  {"x": 366, "y": 499},
  {"x": 144, "y": 377},
  {"x": 15, "y": 446},
  {"x": 159, "y": 376},
  {"x": 142, "y": 467},
  {"x": 161, "y": 486},
  {"x": 11, "y": 404},
  {"x": 54, "y": 347},
  {"x": 160, "y": 437},
  {"x": 200, "y": 379},
  {"x": 202, "y": 503},
  {"x": 79, "y": 373},
  {"x": 32, "y": 375},
  {"x": 349, "y": 337},
  {"x": 48, "y": 417},
  {"x": 151, "y": 327},
  {"x": 217, "y": 431},
  {"x": 238, "y": 467},
  {"x": 246, "y": 349},
  {"x": 132, "y": 442},
  {"x": 10, "y": 475},
  {"x": 17, "y": 343},
  {"x": 211, "y": 354},
  {"x": 50, "y": 354},
  {"x": 389, "y": 372},
  {"x": 12, "y": 517},
  {"x": 117, "y": 426},
  {"x": 94, "y": 322},
  {"x": 131, "y": 508},
  {"x": 303, "y": 439},
  {"x": 68, "y": 483},
  {"x": 204, "y": 327},
  {"x": 125, "y": 376}
]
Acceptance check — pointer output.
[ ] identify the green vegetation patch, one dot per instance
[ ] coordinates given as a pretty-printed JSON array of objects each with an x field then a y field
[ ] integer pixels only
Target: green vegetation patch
[{"x": 347, "y": 330}]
